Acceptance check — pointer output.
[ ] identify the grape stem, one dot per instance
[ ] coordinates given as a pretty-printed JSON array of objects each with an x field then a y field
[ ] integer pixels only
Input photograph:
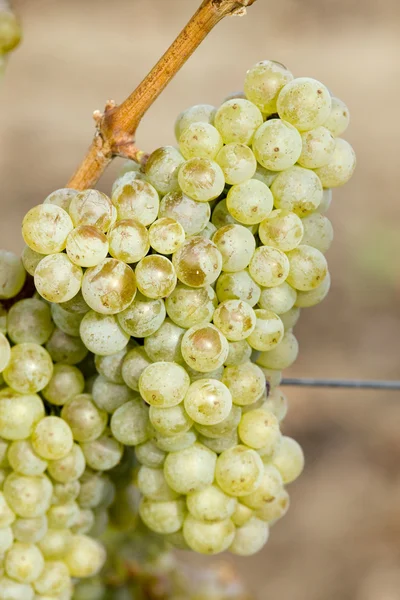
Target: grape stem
[{"x": 116, "y": 127}]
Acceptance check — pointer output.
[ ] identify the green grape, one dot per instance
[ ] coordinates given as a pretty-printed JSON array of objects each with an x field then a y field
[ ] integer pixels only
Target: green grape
[
  {"x": 65, "y": 492},
  {"x": 149, "y": 455},
  {"x": 277, "y": 145},
  {"x": 290, "y": 318},
  {"x": 135, "y": 361},
  {"x": 170, "y": 421},
  {"x": 325, "y": 202},
  {"x": 93, "y": 489},
  {"x": 137, "y": 200},
  {"x": 110, "y": 287},
  {"x": 104, "y": 453},
  {"x": 67, "y": 321},
  {"x": 24, "y": 460},
  {"x": 66, "y": 349},
  {"x": 187, "y": 306},
  {"x": 250, "y": 202},
  {"x": 268, "y": 331},
  {"x": 219, "y": 445},
  {"x": 76, "y": 305},
  {"x": 265, "y": 175},
  {"x": 127, "y": 176},
  {"x": 204, "y": 348},
  {"x": 52, "y": 438},
  {"x": 92, "y": 207},
  {"x": 263, "y": 83},
  {"x": 238, "y": 286},
  {"x": 24, "y": 562},
  {"x": 28, "y": 497},
  {"x": 174, "y": 443},
  {"x": 86, "y": 421},
  {"x": 29, "y": 369},
  {"x": 237, "y": 246},
  {"x": 3, "y": 453},
  {"x": 315, "y": 296},
  {"x": 152, "y": 484},
  {"x": 237, "y": 120},
  {"x": 84, "y": 523},
  {"x": 7, "y": 517},
  {"x": 198, "y": 262},
  {"x": 308, "y": 268},
  {"x": 61, "y": 198},
  {"x": 278, "y": 299},
  {"x": 177, "y": 540},
  {"x": 66, "y": 382},
  {"x": 192, "y": 215},
  {"x": 246, "y": 382},
  {"x": 111, "y": 366},
  {"x": 239, "y": 352},
  {"x": 109, "y": 396},
  {"x": 162, "y": 169},
  {"x": 129, "y": 241},
  {"x": 282, "y": 229},
  {"x": 208, "y": 402},
  {"x": 143, "y": 317},
  {"x": 250, "y": 538},
  {"x": 282, "y": 356},
  {"x": 235, "y": 319},
  {"x": 305, "y": 103},
  {"x": 259, "y": 429},
  {"x": 30, "y": 531},
  {"x": 190, "y": 469},
  {"x": 87, "y": 246},
  {"x": 237, "y": 162},
  {"x": 12, "y": 590},
  {"x": 102, "y": 334},
  {"x": 211, "y": 504},
  {"x": 275, "y": 509},
  {"x": 45, "y": 228},
  {"x": 30, "y": 259},
  {"x": 54, "y": 545},
  {"x": 6, "y": 540},
  {"x": 63, "y": 516},
  {"x": 208, "y": 538},
  {"x": 163, "y": 517},
  {"x": 54, "y": 579},
  {"x": 242, "y": 515},
  {"x": 12, "y": 275},
  {"x": 200, "y": 140},
  {"x": 340, "y": 168},
  {"x": 298, "y": 190},
  {"x": 221, "y": 217},
  {"x": 164, "y": 384},
  {"x": 70, "y": 467},
  {"x": 5, "y": 352},
  {"x": 200, "y": 113},
  {"x": 201, "y": 179},
  {"x": 155, "y": 276},
  {"x": 318, "y": 148},
  {"x": 3, "y": 319},
  {"x": 224, "y": 428},
  {"x": 129, "y": 423},
  {"x": 289, "y": 459},
  {"x": 277, "y": 404},
  {"x": 57, "y": 279},
  {"x": 19, "y": 414},
  {"x": 196, "y": 375},
  {"x": 10, "y": 30},
  {"x": 166, "y": 235},
  {"x": 318, "y": 232},
  {"x": 269, "y": 266},
  {"x": 239, "y": 471},
  {"x": 338, "y": 119}
]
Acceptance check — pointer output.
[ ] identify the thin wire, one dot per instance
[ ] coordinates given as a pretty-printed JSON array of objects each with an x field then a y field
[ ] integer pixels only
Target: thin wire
[{"x": 343, "y": 383}]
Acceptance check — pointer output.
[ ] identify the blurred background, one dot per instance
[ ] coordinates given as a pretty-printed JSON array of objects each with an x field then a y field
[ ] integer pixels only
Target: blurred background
[{"x": 341, "y": 538}]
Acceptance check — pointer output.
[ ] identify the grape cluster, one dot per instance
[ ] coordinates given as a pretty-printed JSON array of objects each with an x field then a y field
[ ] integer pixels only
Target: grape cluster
[
  {"x": 161, "y": 321},
  {"x": 10, "y": 34}
]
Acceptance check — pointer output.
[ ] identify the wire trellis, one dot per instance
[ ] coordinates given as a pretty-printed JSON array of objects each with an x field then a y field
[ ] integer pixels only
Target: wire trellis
[{"x": 343, "y": 383}]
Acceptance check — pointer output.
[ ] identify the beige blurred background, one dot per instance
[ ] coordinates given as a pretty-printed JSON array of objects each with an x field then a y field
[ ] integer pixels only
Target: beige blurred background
[{"x": 341, "y": 538}]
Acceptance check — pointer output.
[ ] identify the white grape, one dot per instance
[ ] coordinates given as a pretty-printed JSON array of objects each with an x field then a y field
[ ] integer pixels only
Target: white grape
[
  {"x": 237, "y": 120},
  {"x": 305, "y": 103},
  {"x": 277, "y": 145},
  {"x": 263, "y": 83},
  {"x": 45, "y": 228}
]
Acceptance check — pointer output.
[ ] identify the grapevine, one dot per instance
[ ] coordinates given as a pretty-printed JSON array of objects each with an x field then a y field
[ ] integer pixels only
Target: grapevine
[{"x": 143, "y": 335}]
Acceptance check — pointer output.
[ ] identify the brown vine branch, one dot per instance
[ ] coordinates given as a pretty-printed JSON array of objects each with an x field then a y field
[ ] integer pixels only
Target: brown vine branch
[{"x": 116, "y": 127}]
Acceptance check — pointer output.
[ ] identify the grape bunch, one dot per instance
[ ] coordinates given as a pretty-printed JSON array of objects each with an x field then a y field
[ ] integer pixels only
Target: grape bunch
[
  {"x": 10, "y": 33},
  {"x": 160, "y": 321}
]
